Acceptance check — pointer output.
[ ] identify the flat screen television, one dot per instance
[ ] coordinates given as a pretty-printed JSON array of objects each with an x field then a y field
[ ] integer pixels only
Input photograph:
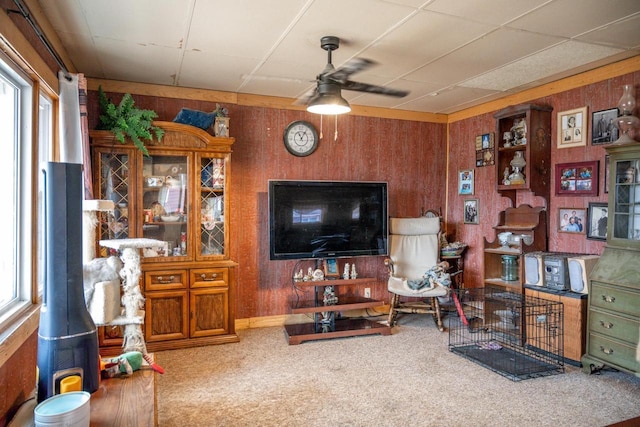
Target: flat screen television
[{"x": 327, "y": 219}]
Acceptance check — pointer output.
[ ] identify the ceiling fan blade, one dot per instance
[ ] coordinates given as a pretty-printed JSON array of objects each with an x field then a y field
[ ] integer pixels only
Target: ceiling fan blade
[
  {"x": 304, "y": 99},
  {"x": 365, "y": 87},
  {"x": 352, "y": 66}
]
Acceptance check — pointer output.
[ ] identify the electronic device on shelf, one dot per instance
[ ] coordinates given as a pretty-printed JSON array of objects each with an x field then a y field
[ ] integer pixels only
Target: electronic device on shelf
[
  {"x": 556, "y": 272},
  {"x": 534, "y": 268},
  {"x": 327, "y": 219},
  {"x": 579, "y": 269}
]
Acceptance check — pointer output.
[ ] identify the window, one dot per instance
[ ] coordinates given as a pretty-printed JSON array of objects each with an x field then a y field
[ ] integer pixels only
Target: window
[
  {"x": 45, "y": 144},
  {"x": 16, "y": 217}
]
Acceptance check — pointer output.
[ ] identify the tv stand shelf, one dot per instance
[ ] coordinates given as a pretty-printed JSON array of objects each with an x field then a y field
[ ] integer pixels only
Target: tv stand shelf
[{"x": 326, "y": 325}]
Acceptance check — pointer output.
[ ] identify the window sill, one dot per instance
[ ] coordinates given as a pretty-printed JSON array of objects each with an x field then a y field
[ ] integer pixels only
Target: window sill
[{"x": 17, "y": 333}]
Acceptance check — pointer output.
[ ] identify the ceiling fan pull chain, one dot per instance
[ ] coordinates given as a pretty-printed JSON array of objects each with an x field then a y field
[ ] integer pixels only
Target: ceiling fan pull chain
[
  {"x": 321, "y": 115},
  {"x": 335, "y": 137}
]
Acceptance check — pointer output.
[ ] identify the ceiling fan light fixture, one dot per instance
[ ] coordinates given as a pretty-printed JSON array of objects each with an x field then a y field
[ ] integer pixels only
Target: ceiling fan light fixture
[
  {"x": 328, "y": 105},
  {"x": 328, "y": 101}
]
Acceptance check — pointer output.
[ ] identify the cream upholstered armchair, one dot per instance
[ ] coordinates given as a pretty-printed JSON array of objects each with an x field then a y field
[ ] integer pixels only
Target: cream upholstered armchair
[{"x": 414, "y": 252}]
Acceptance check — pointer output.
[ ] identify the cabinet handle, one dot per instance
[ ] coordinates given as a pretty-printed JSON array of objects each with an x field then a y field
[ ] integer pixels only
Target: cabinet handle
[
  {"x": 608, "y": 298},
  {"x": 606, "y": 350},
  {"x": 210, "y": 279},
  {"x": 163, "y": 281},
  {"x": 607, "y": 325}
]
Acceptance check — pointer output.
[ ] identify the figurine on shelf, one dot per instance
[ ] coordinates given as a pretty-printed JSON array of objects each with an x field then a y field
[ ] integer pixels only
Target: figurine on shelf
[
  {"x": 507, "y": 139},
  {"x": 354, "y": 274},
  {"x": 299, "y": 276},
  {"x": 317, "y": 275},
  {"x": 506, "y": 181},
  {"x": 345, "y": 273},
  {"x": 329, "y": 297}
]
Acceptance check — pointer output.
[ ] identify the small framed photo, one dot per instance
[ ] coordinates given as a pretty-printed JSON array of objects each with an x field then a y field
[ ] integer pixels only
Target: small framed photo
[
  {"x": 471, "y": 215},
  {"x": 577, "y": 179},
  {"x": 603, "y": 127},
  {"x": 572, "y": 220},
  {"x": 484, "y": 149},
  {"x": 572, "y": 128},
  {"x": 597, "y": 225},
  {"x": 465, "y": 182},
  {"x": 331, "y": 268}
]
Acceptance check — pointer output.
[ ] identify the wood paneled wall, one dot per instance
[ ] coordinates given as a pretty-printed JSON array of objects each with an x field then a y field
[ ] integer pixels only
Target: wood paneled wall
[
  {"x": 597, "y": 96},
  {"x": 409, "y": 155}
]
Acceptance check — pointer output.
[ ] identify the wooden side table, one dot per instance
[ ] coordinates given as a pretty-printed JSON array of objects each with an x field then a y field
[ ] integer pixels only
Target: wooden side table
[{"x": 456, "y": 264}]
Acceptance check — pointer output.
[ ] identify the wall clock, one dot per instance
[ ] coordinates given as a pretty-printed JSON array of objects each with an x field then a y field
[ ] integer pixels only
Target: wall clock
[{"x": 301, "y": 138}]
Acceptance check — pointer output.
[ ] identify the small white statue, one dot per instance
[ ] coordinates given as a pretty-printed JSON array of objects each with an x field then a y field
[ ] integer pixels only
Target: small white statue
[
  {"x": 506, "y": 180},
  {"x": 345, "y": 273},
  {"x": 299, "y": 276},
  {"x": 354, "y": 274}
]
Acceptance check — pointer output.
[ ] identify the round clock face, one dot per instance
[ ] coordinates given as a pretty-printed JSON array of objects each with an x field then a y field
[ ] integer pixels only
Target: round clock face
[{"x": 301, "y": 138}]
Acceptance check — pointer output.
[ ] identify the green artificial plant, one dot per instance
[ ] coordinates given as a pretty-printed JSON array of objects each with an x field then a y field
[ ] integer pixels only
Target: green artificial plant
[{"x": 126, "y": 120}]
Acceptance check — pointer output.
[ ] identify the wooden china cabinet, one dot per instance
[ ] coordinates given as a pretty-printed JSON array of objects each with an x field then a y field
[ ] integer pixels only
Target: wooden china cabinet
[{"x": 179, "y": 195}]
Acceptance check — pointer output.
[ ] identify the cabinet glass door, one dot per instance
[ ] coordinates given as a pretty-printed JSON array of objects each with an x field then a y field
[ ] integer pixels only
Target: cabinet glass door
[
  {"x": 115, "y": 185},
  {"x": 165, "y": 202},
  {"x": 212, "y": 206},
  {"x": 626, "y": 215}
]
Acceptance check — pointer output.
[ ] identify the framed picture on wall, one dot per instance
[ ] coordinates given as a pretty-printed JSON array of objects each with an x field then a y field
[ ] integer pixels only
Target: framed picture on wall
[
  {"x": 597, "y": 221},
  {"x": 331, "y": 268},
  {"x": 572, "y": 128},
  {"x": 577, "y": 179},
  {"x": 572, "y": 220},
  {"x": 471, "y": 212},
  {"x": 603, "y": 127},
  {"x": 465, "y": 182},
  {"x": 484, "y": 149}
]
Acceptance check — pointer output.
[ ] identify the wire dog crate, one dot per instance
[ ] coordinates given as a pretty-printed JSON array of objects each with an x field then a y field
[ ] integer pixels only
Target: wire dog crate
[{"x": 514, "y": 335}]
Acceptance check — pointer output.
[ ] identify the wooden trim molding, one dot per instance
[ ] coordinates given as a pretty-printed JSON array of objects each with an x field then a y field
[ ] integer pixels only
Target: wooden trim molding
[
  {"x": 12, "y": 338},
  {"x": 14, "y": 44}
]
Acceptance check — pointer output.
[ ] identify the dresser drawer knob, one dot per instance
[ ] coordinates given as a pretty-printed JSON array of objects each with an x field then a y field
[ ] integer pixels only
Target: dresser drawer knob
[
  {"x": 164, "y": 281},
  {"x": 608, "y": 298},
  {"x": 607, "y": 325},
  {"x": 209, "y": 279},
  {"x": 606, "y": 350}
]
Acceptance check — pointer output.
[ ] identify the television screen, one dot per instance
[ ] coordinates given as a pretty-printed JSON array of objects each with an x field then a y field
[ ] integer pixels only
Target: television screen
[{"x": 327, "y": 219}]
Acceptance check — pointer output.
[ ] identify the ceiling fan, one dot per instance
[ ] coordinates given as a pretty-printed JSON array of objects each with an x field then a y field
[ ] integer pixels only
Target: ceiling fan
[{"x": 326, "y": 97}]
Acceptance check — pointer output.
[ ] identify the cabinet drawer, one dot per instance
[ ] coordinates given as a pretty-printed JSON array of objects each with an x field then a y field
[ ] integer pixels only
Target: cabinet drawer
[
  {"x": 614, "y": 326},
  {"x": 207, "y": 277},
  {"x": 613, "y": 352},
  {"x": 614, "y": 298},
  {"x": 165, "y": 280}
]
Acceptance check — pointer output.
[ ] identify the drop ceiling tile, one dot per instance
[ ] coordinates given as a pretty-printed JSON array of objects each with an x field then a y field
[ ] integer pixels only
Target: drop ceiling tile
[
  {"x": 139, "y": 21},
  {"x": 540, "y": 65},
  {"x": 223, "y": 73},
  {"x": 121, "y": 61},
  {"x": 241, "y": 28},
  {"x": 356, "y": 22},
  {"x": 570, "y": 18},
  {"x": 494, "y": 50},
  {"x": 496, "y": 12},
  {"x": 420, "y": 40},
  {"x": 83, "y": 54},
  {"x": 67, "y": 16},
  {"x": 445, "y": 99},
  {"x": 624, "y": 33}
]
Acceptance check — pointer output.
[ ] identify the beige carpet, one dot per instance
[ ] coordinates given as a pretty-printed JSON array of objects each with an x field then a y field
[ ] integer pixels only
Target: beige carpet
[{"x": 407, "y": 379}]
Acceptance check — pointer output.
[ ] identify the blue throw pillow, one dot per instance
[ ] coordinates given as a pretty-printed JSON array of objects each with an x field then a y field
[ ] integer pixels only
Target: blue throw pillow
[{"x": 195, "y": 118}]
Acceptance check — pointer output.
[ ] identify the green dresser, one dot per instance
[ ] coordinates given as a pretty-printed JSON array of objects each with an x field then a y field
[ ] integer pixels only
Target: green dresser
[{"x": 614, "y": 286}]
